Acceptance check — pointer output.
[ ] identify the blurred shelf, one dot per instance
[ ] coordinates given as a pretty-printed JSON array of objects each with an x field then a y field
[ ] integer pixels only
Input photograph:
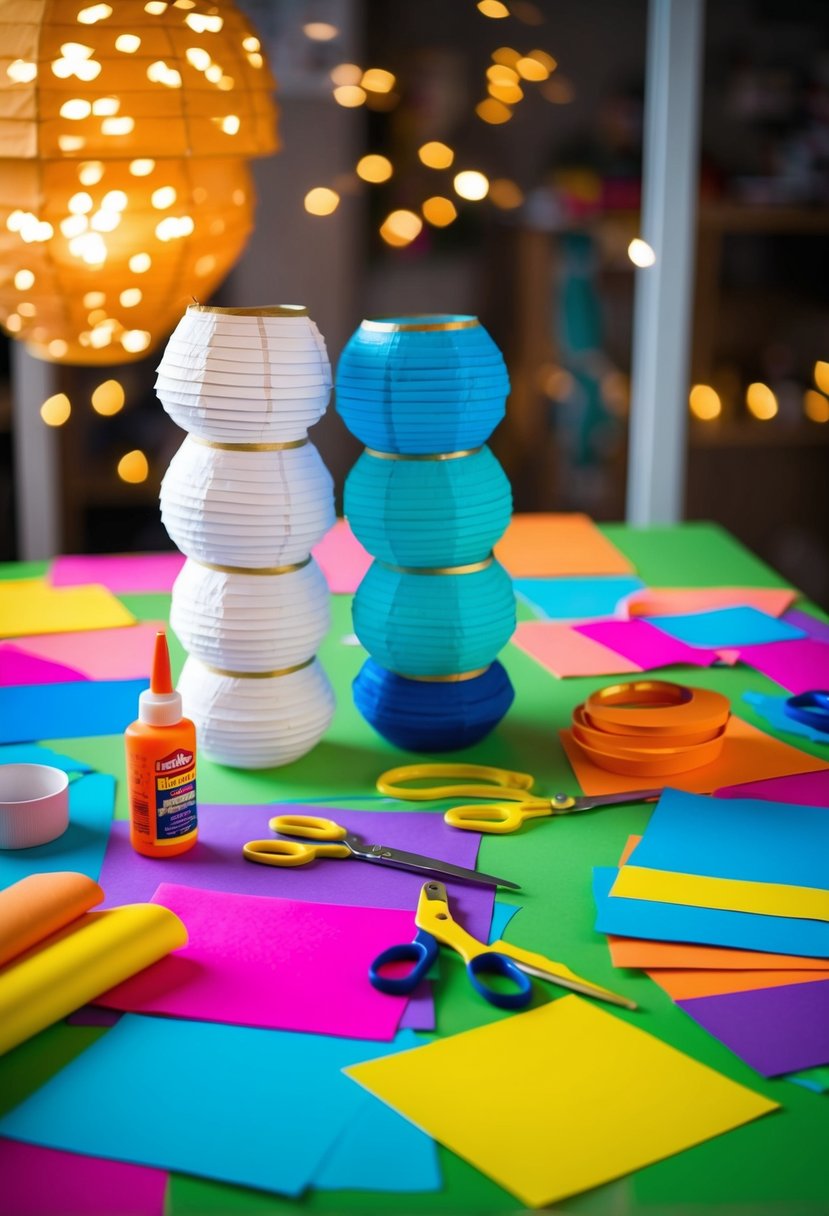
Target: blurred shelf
[{"x": 759, "y": 434}]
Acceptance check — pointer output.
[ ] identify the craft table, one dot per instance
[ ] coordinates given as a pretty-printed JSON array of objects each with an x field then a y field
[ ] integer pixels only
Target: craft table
[{"x": 775, "y": 1165}]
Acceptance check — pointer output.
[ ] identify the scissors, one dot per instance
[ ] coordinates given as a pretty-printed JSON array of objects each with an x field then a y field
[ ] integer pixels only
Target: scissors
[
  {"x": 313, "y": 828},
  {"x": 515, "y": 802},
  {"x": 435, "y": 925}
]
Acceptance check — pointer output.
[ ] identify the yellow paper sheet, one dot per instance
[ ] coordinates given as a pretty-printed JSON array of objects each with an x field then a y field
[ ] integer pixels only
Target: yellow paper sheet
[
  {"x": 732, "y": 894},
  {"x": 29, "y": 606},
  {"x": 588, "y": 1098},
  {"x": 75, "y": 965}
]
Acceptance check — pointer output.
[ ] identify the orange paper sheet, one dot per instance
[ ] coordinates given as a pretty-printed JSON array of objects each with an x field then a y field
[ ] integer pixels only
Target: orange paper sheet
[
  {"x": 543, "y": 546},
  {"x": 685, "y": 985},
  {"x": 36, "y": 906},
  {"x": 669, "y": 601},
  {"x": 748, "y": 755},
  {"x": 564, "y": 652}
]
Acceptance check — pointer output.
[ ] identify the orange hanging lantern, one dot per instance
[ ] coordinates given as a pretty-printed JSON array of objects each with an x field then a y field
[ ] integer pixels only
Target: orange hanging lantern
[{"x": 125, "y": 131}]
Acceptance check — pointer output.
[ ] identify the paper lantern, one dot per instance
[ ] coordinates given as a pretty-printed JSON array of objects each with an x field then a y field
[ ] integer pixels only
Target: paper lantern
[
  {"x": 250, "y": 605},
  {"x": 125, "y": 131},
  {"x": 429, "y": 502}
]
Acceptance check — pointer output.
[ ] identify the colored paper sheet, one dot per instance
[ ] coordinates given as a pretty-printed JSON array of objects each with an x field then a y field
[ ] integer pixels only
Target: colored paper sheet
[
  {"x": 813, "y": 627},
  {"x": 738, "y": 626},
  {"x": 653, "y": 956},
  {"x": 764, "y": 898},
  {"x": 798, "y": 666},
  {"x": 44, "y": 1182},
  {"x": 808, "y": 789},
  {"x": 772, "y": 711},
  {"x": 670, "y": 601},
  {"x": 775, "y": 1030},
  {"x": 381, "y": 1151},
  {"x": 419, "y": 1013},
  {"x": 710, "y": 926},
  {"x": 216, "y": 863},
  {"x": 94, "y": 1015},
  {"x": 610, "y": 1124},
  {"x": 816, "y": 1079},
  {"x": 20, "y": 667},
  {"x": 278, "y": 963},
  {"x": 574, "y": 599},
  {"x": 562, "y": 651},
  {"x": 122, "y": 573},
  {"x": 32, "y": 606},
  {"x": 342, "y": 559},
  {"x": 689, "y": 984},
  {"x": 502, "y": 914},
  {"x": 36, "y": 753},
  {"x": 541, "y": 546},
  {"x": 82, "y": 845},
  {"x": 68, "y": 711},
  {"x": 105, "y": 654},
  {"x": 148, "y": 1077},
  {"x": 747, "y": 753},
  {"x": 643, "y": 644}
]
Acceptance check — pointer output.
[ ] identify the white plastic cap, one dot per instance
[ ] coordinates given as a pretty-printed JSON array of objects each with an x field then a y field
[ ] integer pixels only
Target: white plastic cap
[{"x": 159, "y": 708}]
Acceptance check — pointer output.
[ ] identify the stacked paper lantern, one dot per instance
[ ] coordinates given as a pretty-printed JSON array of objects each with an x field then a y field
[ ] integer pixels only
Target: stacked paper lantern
[
  {"x": 245, "y": 498},
  {"x": 429, "y": 501}
]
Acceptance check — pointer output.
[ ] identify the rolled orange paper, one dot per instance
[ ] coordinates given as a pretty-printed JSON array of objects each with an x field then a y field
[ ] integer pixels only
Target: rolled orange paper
[{"x": 39, "y": 905}]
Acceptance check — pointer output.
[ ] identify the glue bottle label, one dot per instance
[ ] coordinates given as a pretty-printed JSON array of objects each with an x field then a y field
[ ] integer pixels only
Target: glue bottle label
[{"x": 175, "y": 794}]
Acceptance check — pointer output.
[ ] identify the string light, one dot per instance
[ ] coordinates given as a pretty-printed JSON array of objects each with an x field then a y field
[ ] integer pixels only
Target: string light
[
  {"x": 704, "y": 402},
  {"x": 400, "y": 228},
  {"x": 374, "y": 168},
  {"x": 761, "y": 401},
  {"x": 321, "y": 201},
  {"x": 471, "y": 185},
  {"x": 56, "y": 409},
  {"x": 505, "y": 194},
  {"x": 640, "y": 253},
  {"x": 493, "y": 8},
  {"x": 108, "y": 398},
  {"x": 133, "y": 467},
  {"x": 440, "y": 212},
  {"x": 821, "y": 374},
  {"x": 493, "y": 112},
  {"x": 436, "y": 155},
  {"x": 349, "y": 95},
  {"x": 815, "y": 406}
]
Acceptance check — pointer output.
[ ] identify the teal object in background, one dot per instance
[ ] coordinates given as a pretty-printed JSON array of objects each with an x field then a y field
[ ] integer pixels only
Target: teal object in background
[{"x": 428, "y": 512}]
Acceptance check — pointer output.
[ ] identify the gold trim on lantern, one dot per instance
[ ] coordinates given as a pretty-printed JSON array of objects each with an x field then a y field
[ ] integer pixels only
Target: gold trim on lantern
[
  {"x": 260, "y": 570},
  {"x": 430, "y": 456},
  {"x": 457, "y": 678},
  {"x": 257, "y": 675},
  {"x": 472, "y": 568},
  {"x": 416, "y": 325},
  {"x": 250, "y": 447},
  {"x": 267, "y": 310}
]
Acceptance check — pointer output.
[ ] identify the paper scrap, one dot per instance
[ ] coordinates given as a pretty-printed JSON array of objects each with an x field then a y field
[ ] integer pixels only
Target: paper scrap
[
  {"x": 294, "y": 1100},
  {"x": 342, "y": 559},
  {"x": 277, "y": 963},
  {"x": 645, "y": 645},
  {"x": 32, "y": 606},
  {"x": 18, "y": 666},
  {"x": 669, "y": 601},
  {"x": 68, "y": 711},
  {"x": 812, "y": 626},
  {"x": 559, "y": 649},
  {"x": 105, "y": 654},
  {"x": 574, "y": 599},
  {"x": 543, "y": 545},
  {"x": 798, "y": 666},
  {"x": 736, "y": 626},
  {"x": 381, "y": 1151},
  {"x": 775, "y": 1030},
  {"x": 502, "y": 914},
  {"x": 610, "y": 1124},
  {"x": 122, "y": 573},
  {"x": 44, "y": 1182},
  {"x": 748, "y": 753}
]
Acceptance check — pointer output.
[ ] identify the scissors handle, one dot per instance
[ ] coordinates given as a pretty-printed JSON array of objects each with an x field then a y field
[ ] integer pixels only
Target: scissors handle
[
  {"x": 290, "y": 852},
  {"x": 491, "y": 965},
  {"x": 312, "y": 826},
  {"x": 498, "y": 818},
  {"x": 420, "y": 953},
  {"x": 500, "y": 780}
]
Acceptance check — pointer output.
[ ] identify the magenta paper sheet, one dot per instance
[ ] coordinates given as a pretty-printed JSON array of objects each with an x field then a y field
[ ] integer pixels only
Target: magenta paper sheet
[
  {"x": 279, "y": 964},
  {"x": 122, "y": 573},
  {"x": 808, "y": 789},
  {"x": 798, "y": 666},
  {"x": 645, "y": 645},
  {"x": 45, "y": 1182},
  {"x": 18, "y": 666},
  {"x": 99, "y": 654}
]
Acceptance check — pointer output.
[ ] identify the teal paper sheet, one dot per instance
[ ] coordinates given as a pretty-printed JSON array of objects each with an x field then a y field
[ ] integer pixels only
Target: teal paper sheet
[
  {"x": 502, "y": 914},
  {"x": 576, "y": 599},
  {"x": 744, "y": 626}
]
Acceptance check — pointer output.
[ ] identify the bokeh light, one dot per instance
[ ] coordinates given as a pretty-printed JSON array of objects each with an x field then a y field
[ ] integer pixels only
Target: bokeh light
[
  {"x": 761, "y": 401},
  {"x": 704, "y": 402},
  {"x": 471, "y": 185},
  {"x": 321, "y": 201},
  {"x": 401, "y": 228},
  {"x": 439, "y": 211},
  {"x": 374, "y": 168},
  {"x": 133, "y": 467},
  {"x": 56, "y": 409},
  {"x": 436, "y": 155},
  {"x": 108, "y": 398},
  {"x": 640, "y": 253}
]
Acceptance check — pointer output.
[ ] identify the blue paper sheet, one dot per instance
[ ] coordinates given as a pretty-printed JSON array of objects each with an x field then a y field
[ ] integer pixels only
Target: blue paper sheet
[
  {"x": 576, "y": 599},
  {"x": 745, "y": 838},
  {"x": 726, "y": 627},
  {"x": 382, "y": 1151},
  {"x": 82, "y": 845},
  {"x": 35, "y": 753},
  {"x": 772, "y": 712},
  {"x": 68, "y": 711},
  {"x": 708, "y": 926},
  {"x": 502, "y": 914},
  {"x": 259, "y": 1108}
]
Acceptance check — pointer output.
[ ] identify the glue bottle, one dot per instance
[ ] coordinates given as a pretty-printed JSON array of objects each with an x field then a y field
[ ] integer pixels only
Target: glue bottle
[{"x": 161, "y": 767}]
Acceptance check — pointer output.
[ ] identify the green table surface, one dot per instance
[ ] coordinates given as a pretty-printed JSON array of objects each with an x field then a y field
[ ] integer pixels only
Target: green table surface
[{"x": 774, "y": 1165}]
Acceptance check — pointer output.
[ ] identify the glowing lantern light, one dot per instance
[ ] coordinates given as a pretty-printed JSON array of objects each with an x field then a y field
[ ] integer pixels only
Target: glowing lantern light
[
  {"x": 108, "y": 398},
  {"x": 124, "y": 165},
  {"x": 134, "y": 467}
]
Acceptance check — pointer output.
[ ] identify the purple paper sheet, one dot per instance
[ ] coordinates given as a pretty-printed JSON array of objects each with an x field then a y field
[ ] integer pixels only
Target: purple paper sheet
[
  {"x": 775, "y": 1030},
  {"x": 45, "y": 1182},
  {"x": 797, "y": 666},
  {"x": 807, "y": 789},
  {"x": 419, "y": 1013},
  {"x": 815, "y": 629},
  {"x": 645, "y": 645}
]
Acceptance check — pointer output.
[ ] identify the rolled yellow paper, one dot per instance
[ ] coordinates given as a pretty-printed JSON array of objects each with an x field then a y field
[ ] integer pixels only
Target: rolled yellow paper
[{"x": 78, "y": 963}]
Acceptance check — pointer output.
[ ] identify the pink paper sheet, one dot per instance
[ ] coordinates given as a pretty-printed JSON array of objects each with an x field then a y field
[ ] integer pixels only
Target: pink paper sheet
[
  {"x": 17, "y": 666},
  {"x": 798, "y": 666},
  {"x": 342, "y": 559},
  {"x": 807, "y": 789},
  {"x": 45, "y": 1182},
  {"x": 102, "y": 654},
  {"x": 127, "y": 573},
  {"x": 645, "y": 645},
  {"x": 282, "y": 964},
  {"x": 668, "y": 601},
  {"x": 562, "y": 651}
]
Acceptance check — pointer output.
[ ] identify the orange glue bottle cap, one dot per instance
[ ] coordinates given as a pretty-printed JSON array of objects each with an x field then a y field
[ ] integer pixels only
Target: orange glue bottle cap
[{"x": 160, "y": 704}]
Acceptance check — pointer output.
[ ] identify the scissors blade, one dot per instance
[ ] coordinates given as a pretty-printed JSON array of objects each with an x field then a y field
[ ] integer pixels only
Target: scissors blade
[
  {"x": 575, "y": 985},
  {"x": 419, "y": 864},
  {"x": 589, "y": 804}
]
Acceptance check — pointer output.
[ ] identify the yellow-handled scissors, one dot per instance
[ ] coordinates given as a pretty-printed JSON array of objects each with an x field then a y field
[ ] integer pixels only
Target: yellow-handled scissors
[
  {"x": 324, "y": 838},
  {"x": 513, "y": 791}
]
